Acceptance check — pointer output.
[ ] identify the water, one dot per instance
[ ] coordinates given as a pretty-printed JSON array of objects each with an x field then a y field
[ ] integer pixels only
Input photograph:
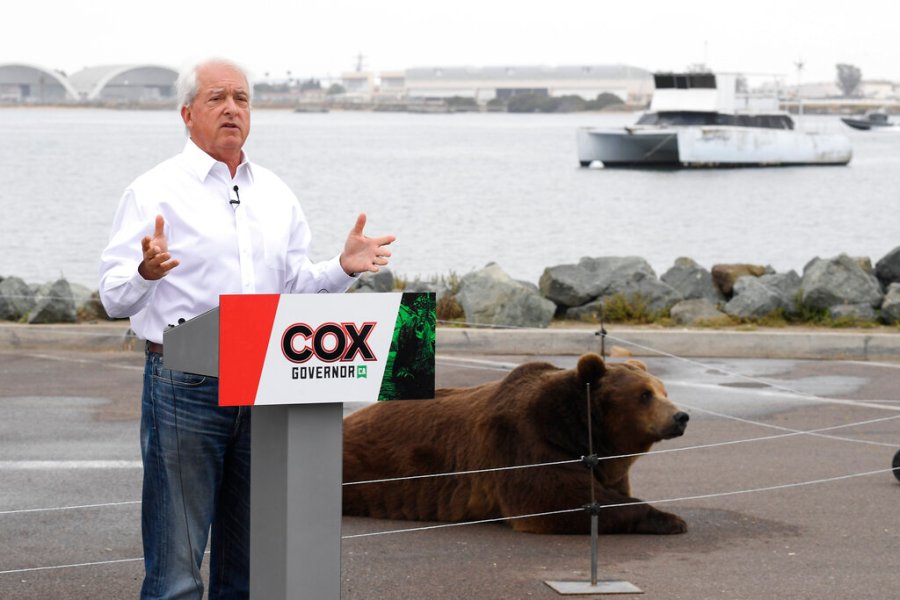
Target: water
[{"x": 459, "y": 191}]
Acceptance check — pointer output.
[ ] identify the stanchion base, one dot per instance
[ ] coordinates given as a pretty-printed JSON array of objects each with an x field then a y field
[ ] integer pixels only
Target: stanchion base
[{"x": 566, "y": 588}]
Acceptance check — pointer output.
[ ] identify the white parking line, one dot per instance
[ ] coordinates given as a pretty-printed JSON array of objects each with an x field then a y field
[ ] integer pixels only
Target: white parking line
[{"x": 66, "y": 465}]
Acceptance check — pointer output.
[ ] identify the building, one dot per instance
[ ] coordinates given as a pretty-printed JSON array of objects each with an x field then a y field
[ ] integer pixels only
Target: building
[
  {"x": 125, "y": 83},
  {"x": 31, "y": 84},
  {"x": 392, "y": 84},
  {"x": 630, "y": 84},
  {"x": 358, "y": 83},
  {"x": 879, "y": 89}
]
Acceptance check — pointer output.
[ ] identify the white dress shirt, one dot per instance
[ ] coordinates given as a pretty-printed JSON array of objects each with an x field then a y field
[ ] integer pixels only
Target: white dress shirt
[{"x": 258, "y": 246}]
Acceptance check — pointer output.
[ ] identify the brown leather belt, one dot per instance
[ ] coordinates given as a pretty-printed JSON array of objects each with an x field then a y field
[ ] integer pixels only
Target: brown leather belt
[{"x": 154, "y": 348}]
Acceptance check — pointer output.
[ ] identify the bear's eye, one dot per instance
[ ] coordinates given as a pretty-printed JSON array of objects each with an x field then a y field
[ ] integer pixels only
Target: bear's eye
[{"x": 646, "y": 397}]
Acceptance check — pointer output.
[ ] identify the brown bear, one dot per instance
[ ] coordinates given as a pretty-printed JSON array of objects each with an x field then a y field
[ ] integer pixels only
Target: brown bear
[{"x": 536, "y": 414}]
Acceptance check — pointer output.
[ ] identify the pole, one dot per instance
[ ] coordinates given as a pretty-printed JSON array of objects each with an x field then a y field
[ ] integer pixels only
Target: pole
[{"x": 295, "y": 501}]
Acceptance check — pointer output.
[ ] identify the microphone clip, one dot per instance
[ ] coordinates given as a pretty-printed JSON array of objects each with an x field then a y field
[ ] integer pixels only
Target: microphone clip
[{"x": 234, "y": 197}]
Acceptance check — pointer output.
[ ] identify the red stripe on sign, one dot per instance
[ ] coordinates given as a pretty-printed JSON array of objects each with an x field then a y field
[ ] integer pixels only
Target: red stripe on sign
[{"x": 245, "y": 326}]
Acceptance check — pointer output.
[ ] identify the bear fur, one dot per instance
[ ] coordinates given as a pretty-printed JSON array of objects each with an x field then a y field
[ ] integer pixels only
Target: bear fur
[{"x": 536, "y": 414}]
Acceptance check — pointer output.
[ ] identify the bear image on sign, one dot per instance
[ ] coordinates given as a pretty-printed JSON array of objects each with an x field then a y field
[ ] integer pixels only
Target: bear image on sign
[{"x": 536, "y": 414}]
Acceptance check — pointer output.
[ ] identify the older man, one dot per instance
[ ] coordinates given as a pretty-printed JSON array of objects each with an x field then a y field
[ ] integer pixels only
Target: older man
[{"x": 203, "y": 223}]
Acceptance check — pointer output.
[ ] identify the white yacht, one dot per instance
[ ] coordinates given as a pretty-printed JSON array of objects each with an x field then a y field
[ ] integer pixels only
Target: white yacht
[{"x": 698, "y": 120}]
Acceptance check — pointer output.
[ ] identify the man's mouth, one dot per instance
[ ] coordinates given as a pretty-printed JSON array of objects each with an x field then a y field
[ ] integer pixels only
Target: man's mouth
[{"x": 229, "y": 125}]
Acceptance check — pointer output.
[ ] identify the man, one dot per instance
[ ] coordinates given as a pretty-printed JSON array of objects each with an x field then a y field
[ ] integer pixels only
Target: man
[{"x": 203, "y": 223}]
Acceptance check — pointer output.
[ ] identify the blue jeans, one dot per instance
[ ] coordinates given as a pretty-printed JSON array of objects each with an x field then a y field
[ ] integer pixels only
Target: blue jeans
[{"x": 196, "y": 477}]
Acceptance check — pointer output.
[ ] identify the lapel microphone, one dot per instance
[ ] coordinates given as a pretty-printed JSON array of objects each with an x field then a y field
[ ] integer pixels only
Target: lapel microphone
[{"x": 234, "y": 197}]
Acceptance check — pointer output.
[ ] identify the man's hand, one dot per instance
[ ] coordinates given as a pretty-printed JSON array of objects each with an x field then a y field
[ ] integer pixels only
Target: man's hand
[
  {"x": 157, "y": 260},
  {"x": 363, "y": 253}
]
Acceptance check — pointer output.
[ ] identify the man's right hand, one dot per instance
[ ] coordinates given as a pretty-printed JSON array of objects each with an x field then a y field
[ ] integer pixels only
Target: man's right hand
[{"x": 157, "y": 260}]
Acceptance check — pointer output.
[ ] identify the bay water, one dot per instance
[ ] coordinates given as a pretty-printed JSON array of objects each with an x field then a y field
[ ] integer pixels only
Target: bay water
[{"x": 458, "y": 190}]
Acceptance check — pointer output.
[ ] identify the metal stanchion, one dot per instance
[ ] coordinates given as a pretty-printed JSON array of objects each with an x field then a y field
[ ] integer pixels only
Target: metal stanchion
[{"x": 594, "y": 586}]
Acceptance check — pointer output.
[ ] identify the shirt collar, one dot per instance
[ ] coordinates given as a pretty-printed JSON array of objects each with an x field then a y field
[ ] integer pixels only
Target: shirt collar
[{"x": 201, "y": 163}]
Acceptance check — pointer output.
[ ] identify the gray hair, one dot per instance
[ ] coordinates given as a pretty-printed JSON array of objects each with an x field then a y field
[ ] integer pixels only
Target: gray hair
[{"x": 186, "y": 85}]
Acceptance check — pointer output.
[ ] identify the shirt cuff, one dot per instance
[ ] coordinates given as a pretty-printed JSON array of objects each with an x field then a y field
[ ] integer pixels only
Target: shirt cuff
[{"x": 337, "y": 276}]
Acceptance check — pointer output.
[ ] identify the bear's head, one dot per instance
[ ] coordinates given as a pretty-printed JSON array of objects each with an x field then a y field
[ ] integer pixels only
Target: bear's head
[{"x": 630, "y": 409}]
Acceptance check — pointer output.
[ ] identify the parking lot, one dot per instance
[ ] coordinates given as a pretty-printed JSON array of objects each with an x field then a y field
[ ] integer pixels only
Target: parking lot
[{"x": 772, "y": 512}]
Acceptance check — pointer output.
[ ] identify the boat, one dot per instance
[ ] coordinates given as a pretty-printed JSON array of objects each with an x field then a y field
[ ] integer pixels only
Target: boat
[
  {"x": 870, "y": 120},
  {"x": 699, "y": 120}
]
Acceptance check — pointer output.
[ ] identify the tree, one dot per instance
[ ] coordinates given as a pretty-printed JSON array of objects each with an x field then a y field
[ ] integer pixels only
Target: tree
[
  {"x": 603, "y": 100},
  {"x": 848, "y": 78},
  {"x": 310, "y": 84},
  {"x": 334, "y": 89}
]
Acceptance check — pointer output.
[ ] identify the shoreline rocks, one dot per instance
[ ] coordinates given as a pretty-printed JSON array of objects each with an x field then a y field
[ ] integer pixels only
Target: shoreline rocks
[{"x": 841, "y": 288}]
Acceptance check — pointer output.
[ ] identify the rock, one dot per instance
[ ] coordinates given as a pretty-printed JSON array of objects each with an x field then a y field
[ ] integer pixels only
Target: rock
[
  {"x": 16, "y": 299},
  {"x": 787, "y": 286},
  {"x": 692, "y": 281},
  {"x": 592, "y": 312},
  {"x": 887, "y": 270},
  {"x": 753, "y": 299},
  {"x": 569, "y": 285},
  {"x": 82, "y": 296},
  {"x": 698, "y": 311},
  {"x": 855, "y": 312},
  {"x": 439, "y": 287},
  {"x": 839, "y": 280},
  {"x": 491, "y": 297},
  {"x": 724, "y": 276},
  {"x": 890, "y": 307},
  {"x": 55, "y": 306},
  {"x": 91, "y": 309},
  {"x": 380, "y": 282},
  {"x": 632, "y": 277}
]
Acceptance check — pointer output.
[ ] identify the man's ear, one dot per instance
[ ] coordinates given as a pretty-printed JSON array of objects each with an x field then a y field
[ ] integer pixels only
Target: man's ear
[{"x": 186, "y": 116}]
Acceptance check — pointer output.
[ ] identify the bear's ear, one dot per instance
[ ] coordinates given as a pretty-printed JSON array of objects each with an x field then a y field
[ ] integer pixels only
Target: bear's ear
[
  {"x": 636, "y": 363},
  {"x": 590, "y": 367}
]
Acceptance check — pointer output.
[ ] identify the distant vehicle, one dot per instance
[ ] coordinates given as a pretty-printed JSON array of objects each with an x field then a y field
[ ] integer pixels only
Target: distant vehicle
[
  {"x": 871, "y": 120},
  {"x": 694, "y": 121}
]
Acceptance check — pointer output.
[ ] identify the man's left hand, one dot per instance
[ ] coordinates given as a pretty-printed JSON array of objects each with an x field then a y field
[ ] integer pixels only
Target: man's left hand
[{"x": 362, "y": 253}]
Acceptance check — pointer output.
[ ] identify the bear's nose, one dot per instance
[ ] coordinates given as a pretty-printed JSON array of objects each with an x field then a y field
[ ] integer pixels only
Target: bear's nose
[{"x": 682, "y": 418}]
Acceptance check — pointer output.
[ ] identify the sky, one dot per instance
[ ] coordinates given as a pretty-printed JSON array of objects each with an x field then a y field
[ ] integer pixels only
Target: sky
[{"x": 322, "y": 38}]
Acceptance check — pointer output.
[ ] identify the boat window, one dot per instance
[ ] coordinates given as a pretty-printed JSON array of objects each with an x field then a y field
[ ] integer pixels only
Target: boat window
[
  {"x": 673, "y": 118},
  {"x": 702, "y": 80},
  {"x": 648, "y": 119},
  {"x": 684, "y": 81}
]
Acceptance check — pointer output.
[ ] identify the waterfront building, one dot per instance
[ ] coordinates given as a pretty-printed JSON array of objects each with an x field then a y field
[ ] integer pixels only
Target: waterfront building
[
  {"x": 631, "y": 84},
  {"x": 125, "y": 83},
  {"x": 31, "y": 84}
]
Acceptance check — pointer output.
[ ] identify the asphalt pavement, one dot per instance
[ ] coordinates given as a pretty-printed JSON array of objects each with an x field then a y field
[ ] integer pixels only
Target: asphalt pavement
[{"x": 772, "y": 513}]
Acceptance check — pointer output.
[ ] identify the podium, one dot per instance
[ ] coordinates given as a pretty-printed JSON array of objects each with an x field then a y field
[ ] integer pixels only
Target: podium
[{"x": 296, "y": 358}]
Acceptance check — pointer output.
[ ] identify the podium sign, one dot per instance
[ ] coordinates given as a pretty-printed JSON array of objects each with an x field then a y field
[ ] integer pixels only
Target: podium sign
[
  {"x": 306, "y": 349},
  {"x": 297, "y": 358}
]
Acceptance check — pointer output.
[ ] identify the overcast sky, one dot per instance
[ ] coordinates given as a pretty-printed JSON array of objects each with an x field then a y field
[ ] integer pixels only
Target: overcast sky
[{"x": 322, "y": 37}]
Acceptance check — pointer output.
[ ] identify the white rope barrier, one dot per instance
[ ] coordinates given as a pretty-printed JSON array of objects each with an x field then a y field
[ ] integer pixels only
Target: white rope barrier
[
  {"x": 67, "y": 329},
  {"x": 62, "y": 508},
  {"x": 462, "y": 524},
  {"x": 469, "y": 472},
  {"x": 789, "y": 432},
  {"x": 774, "y": 385},
  {"x": 810, "y": 432},
  {"x": 87, "y": 564},
  {"x": 636, "y": 503}
]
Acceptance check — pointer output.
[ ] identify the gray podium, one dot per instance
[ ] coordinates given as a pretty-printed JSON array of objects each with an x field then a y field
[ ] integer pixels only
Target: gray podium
[{"x": 295, "y": 497}]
